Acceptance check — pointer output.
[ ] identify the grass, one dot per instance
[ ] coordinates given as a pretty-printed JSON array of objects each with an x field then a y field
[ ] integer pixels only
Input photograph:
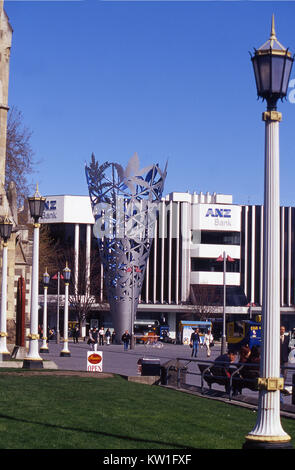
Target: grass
[{"x": 51, "y": 412}]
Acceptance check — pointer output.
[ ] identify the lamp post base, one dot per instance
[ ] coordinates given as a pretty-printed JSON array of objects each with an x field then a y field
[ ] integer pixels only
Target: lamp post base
[
  {"x": 33, "y": 364},
  {"x": 253, "y": 444},
  {"x": 65, "y": 354},
  {"x": 44, "y": 350},
  {"x": 5, "y": 356}
]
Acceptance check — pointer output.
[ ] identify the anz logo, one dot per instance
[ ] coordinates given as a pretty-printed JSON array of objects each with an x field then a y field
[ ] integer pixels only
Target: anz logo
[
  {"x": 49, "y": 210},
  {"x": 224, "y": 213},
  {"x": 50, "y": 206}
]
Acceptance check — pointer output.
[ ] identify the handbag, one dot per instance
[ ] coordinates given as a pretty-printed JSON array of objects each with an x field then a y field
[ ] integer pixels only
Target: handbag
[
  {"x": 211, "y": 345},
  {"x": 190, "y": 345}
]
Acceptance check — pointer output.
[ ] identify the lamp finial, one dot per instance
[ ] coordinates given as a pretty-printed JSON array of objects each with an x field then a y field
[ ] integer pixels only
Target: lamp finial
[
  {"x": 37, "y": 194},
  {"x": 273, "y": 31}
]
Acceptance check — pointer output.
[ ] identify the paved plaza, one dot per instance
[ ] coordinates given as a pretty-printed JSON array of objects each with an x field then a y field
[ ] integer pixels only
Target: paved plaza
[
  {"x": 118, "y": 361},
  {"x": 115, "y": 359}
]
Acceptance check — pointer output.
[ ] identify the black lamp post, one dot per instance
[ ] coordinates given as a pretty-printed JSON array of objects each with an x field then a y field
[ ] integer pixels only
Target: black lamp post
[
  {"x": 5, "y": 232},
  {"x": 272, "y": 67}
]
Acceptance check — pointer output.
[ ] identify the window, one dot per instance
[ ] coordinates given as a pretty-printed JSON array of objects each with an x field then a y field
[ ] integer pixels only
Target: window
[
  {"x": 210, "y": 264},
  {"x": 208, "y": 237}
]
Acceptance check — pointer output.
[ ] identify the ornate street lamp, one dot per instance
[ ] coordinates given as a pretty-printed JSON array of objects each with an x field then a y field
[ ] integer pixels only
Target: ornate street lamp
[
  {"x": 67, "y": 276},
  {"x": 272, "y": 67},
  {"x": 5, "y": 232},
  {"x": 33, "y": 360},
  {"x": 44, "y": 347}
]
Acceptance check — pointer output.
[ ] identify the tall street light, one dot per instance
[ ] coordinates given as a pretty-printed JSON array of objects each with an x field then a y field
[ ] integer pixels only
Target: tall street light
[
  {"x": 44, "y": 347},
  {"x": 272, "y": 67},
  {"x": 67, "y": 276},
  {"x": 33, "y": 360},
  {"x": 5, "y": 232},
  {"x": 224, "y": 259}
]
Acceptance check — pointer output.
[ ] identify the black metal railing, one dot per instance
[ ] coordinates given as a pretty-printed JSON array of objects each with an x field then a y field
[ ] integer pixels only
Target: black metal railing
[{"x": 210, "y": 372}]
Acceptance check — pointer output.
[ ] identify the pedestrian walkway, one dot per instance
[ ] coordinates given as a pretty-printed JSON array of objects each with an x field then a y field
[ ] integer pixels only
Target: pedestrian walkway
[{"x": 118, "y": 361}]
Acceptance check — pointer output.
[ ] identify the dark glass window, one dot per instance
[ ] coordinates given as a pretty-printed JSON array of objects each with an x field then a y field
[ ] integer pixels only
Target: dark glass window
[
  {"x": 213, "y": 295},
  {"x": 210, "y": 264},
  {"x": 220, "y": 238}
]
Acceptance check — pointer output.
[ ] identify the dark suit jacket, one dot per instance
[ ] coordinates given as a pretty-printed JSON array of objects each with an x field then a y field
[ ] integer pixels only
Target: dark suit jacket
[{"x": 285, "y": 350}]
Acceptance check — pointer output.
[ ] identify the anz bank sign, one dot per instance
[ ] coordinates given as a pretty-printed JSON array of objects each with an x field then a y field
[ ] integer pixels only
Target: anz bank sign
[
  {"x": 67, "y": 209},
  {"x": 218, "y": 217},
  {"x": 221, "y": 213},
  {"x": 50, "y": 210}
]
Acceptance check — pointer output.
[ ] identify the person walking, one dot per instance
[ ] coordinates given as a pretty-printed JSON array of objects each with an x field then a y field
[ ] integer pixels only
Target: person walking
[
  {"x": 126, "y": 339},
  {"x": 76, "y": 333},
  {"x": 208, "y": 342},
  {"x": 93, "y": 336},
  {"x": 113, "y": 337},
  {"x": 284, "y": 351},
  {"x": 108, "y": 336},
  {"x": 101, "y": 336},
  {"x": 194, "y": 342}
]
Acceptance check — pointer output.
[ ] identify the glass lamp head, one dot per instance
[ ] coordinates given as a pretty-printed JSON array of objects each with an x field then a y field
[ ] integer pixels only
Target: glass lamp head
[
  {"x": 67, "y": 273},
  {"x": 46, "y": 278},
  {"x": 272, "y": 65},
  {"x": 5, "y": 228},
  {"x": 36, "y": 205}
]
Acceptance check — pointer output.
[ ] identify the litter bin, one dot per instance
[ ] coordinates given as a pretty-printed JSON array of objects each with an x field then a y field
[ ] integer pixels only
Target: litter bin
[
  {"x": 150, "y": 367},
  {"x": 293, "y": 389}
]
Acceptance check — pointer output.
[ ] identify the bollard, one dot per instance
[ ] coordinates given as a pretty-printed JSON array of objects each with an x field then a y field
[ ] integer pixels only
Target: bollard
[{"x": 293, "y": 389}]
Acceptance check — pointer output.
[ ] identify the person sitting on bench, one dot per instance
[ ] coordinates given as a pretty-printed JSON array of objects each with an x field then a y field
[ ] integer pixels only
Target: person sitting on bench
[{"x": 222, "y": 366}]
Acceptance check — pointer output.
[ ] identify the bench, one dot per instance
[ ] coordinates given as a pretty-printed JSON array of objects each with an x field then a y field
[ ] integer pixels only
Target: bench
[
  {"x": 238, "y": 380},
  {"x": 172, "y": 374},
  {"x": 214, "y": 374}
]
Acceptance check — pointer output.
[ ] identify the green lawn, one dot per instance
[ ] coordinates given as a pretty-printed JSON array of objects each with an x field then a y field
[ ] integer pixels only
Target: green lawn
[{"x": 50, "y": 412}]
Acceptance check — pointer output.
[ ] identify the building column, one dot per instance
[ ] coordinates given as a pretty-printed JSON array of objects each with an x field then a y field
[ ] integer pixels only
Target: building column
[
  {"x": 185, "y": 251},
  {"x": 88, "y": 261},
  {"x": 76, "y": 257}
]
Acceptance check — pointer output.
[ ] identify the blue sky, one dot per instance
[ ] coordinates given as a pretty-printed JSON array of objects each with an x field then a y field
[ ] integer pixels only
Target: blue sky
[{"x": 168, "y": 80}]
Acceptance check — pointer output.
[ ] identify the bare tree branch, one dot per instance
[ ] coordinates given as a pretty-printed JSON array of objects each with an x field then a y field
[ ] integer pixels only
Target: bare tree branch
[{"x": 19, "y": 155}]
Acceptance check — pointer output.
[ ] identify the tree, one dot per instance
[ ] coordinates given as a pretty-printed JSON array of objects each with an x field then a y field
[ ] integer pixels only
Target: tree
[
  {"x": 205, "y": 301},
  {"x": 19, "y": 155},
  {"x": 50, "y": 251}
]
